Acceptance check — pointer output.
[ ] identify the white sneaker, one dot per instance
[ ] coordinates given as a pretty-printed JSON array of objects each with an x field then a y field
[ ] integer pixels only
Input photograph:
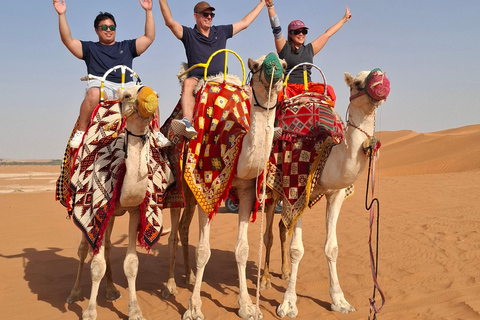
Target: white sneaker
[
  {"x": 77, "y": 139},
  {"x": 184, "y": 127},
  {"x": 162, "y": 141}
]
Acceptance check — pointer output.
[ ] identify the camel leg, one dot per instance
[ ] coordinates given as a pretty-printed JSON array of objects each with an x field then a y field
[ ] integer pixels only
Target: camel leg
[
  {"x": 82, "y": 252},
  {"x": 265, "y": 280},
  {"x": 186, "y": 220},
  {"x": 112, "y": 292},
  {"x": 202, "y": 253},
  {"x": 283, "y": 231},
  {"x": 171, "y": 287},
  {"x": 130, "y": 267},
  {"x": 97, "y": 269},
  {"x": 334, "y": 204},
  {"x": 246, "y": 194},
  {"x": 289, "y": 304}
]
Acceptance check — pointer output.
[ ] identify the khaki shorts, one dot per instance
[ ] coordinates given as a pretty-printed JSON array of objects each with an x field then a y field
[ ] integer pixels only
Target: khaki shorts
[{"x": 109, "y": 88}]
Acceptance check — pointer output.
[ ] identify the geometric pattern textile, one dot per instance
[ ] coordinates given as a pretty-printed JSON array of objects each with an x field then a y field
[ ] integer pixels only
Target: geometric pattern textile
[
  {"x": 311, "y": 128},
  {"x": 96, "y": 170},
  {"x": 222, "y": 120}
]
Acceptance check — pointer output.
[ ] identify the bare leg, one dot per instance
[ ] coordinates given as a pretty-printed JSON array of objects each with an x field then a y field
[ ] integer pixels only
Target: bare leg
[
  {"x": 91, "y": 100},
  {"x": 289, "y": 304},
  {"x": 334, "y": 204},
  {"x": 130, "y": 267},
  {"x": 203, "y": 253},
  {"x": 188, "y": 99},
  {"x": 82, "y": 252}
]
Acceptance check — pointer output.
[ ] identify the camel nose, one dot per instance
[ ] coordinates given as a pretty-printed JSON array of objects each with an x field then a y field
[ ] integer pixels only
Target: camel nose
[
  {"x": 378, "y": 85},
  {"x": 147, "y": 102},
  {"x": 272, "y": 67}
]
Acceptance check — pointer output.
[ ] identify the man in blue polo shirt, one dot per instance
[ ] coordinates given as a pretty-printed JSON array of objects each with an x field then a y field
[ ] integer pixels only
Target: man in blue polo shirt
[
  {"x": 200, "y": 43},
  {"x": 103, "y": 55}
]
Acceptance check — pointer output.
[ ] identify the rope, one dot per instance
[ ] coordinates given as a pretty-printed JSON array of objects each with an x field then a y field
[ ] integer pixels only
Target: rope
[
  {"x": 373, "y": 260},
  {"x": 260, "y": 248}
]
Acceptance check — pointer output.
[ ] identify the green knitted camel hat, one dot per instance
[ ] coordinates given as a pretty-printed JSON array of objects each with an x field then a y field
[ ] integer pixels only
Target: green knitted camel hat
[{"x": 272, "y": 67}]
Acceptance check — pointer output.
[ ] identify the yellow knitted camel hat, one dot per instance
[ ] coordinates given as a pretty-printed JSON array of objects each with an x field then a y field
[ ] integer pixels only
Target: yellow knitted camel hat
[{"x": 147, "y": 102}]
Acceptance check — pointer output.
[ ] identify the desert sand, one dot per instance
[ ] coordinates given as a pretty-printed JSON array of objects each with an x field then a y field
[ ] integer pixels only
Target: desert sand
[{"x": 429, "y": 245}]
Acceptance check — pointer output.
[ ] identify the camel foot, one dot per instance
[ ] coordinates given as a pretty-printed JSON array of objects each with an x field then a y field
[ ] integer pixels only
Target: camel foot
[
  {"x": 166, "y": 231},
  {"x": 90, "y": 313},
  {"x": 190, "y": 279},
  {"x": 287, "y": 308},
  {"x": 248, "y": 312},
  {"x": 75, "y": 295},
  {"x": 342, "y": 306},
  {"x": 193, "y": 314},
  {"x": 265, "y": 282},
  {"x": 113, "y": 293},
  {"x": 134, "y": 312},
  {"x": 171, "y": 288}
]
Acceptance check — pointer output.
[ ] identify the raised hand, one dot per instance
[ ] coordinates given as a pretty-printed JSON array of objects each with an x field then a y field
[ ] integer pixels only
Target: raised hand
[
  {"x": 347, "y": 15},
  {"x": 60, "y": 6},
  {"x": 146, "y": 4}
]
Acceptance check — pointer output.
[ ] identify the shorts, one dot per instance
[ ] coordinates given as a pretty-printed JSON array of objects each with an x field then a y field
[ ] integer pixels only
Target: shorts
[{"x": 109, "y": 88}]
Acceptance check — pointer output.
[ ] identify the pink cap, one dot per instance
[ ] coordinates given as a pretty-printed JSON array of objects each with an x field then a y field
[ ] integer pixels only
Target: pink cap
[{"x": 296, "y": 24}]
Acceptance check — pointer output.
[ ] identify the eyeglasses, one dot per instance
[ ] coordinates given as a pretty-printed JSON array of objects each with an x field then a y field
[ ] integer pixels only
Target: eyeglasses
[
  {"x": 105, "y": 27},
  {"x": 207, "y": 14},
  {"x": 298, "y": 31}
]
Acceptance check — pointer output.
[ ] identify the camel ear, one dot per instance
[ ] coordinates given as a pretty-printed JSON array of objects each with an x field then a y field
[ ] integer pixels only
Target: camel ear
[
  {"x": 120, "y": 94},
  {"x": 348, "y": 79},
  {"x": 253, "y": 65},
  {"x": 283, "y": 63}
]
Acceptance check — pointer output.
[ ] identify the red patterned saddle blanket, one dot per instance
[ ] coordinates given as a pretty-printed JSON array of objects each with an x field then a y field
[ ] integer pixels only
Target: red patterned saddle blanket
[
  {"x": 222, "y": 119},
  {"x": 311, "y": 127},
  {"x": 91, "y": 178}
]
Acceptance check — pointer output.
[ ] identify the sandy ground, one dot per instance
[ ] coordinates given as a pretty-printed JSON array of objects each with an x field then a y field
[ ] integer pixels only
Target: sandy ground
[{"x": 429, "y": 252}]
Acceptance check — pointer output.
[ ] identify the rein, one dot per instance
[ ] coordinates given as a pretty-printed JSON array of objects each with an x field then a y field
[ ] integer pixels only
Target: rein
[{"x": 129, "y": 133}]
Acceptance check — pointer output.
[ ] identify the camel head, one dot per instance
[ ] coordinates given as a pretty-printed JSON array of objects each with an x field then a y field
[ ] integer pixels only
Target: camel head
[
  {"x": 371, "y": 85},
  {"x": 265, "y": 70},
  {"x": 139, "y": 103}
]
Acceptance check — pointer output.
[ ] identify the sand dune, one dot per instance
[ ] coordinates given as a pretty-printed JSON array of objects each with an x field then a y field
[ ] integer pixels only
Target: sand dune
[{"x": 428, "y": 187}]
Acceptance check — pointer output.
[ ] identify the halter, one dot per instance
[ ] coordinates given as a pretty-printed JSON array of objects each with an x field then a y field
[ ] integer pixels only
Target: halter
[{"x": 364, "y": 90}]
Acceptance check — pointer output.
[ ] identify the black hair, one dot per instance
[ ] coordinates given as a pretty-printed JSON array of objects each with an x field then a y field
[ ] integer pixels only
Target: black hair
[{"x": 102, "y": 16}]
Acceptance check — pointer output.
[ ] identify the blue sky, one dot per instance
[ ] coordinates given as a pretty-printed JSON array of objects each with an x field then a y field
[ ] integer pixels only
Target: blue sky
[{"x": 429, "y": 50}]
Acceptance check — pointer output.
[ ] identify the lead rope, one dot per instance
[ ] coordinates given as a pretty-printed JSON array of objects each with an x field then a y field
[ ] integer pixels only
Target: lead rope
[
  {"x": 262, "y": 201},
  {"x": 373, "y": 260}
]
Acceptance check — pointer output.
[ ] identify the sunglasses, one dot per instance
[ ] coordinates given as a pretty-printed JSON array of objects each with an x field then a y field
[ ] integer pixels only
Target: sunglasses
[
  {"x": 298, "y": 31},
  {"x": 105, "y": 27},
  {"x": 207, "y": 14}
]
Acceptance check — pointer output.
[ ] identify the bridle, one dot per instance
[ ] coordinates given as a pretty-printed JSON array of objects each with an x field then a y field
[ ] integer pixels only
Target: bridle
[{"x": 250, "y": 80}]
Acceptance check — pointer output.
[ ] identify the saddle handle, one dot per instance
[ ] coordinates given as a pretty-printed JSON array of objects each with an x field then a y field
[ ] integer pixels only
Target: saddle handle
[
  {"x": 305, "y": 82},
  {"x": 102, "y": 79},
  {"x": 205, "y": 65}
]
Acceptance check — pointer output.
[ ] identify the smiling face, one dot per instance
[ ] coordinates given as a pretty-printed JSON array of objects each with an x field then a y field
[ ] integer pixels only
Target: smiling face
[
  {"x": 106, "y": 37},
  {"x": 203, "y": 22},
  {"x": 298, "y": 39}
]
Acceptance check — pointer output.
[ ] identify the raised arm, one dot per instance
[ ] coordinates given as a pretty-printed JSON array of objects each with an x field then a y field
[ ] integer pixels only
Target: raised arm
[
  {"x": 276, "y": 28},
  {"x": 142, "y": 43},
  {"x": 173, "y": 25},
  {"x": 249, "y": 18},
  {"x": 320, "y": 42},
  {"x": 73, "y": 45}
]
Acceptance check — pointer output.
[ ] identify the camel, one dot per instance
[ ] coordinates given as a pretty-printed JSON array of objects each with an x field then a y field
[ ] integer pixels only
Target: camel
[
  {"x": 256, "y": 147},
  {"x": 343, "y": 166},
  {"x": 138, "y": 106}
]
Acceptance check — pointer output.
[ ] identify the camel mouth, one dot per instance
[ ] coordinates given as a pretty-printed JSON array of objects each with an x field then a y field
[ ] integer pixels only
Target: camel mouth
[
  {"x": 377, "y": 85},
  {"x": 147, "y": 102}
]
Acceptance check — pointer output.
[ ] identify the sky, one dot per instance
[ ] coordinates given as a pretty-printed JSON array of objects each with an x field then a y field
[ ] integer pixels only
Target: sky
[{"x": 430, "y": 51}]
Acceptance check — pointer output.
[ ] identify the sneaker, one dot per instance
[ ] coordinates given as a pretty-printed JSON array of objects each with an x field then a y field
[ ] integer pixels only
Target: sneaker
[
  {"x": 162, "y": 141},
  {"x": 184, "y": 127},
  {"x": 77, "y": 139}
]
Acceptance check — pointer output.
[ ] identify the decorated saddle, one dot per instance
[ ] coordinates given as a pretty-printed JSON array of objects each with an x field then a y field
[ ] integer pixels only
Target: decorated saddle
[
  {"x": 222, "y": 118},
  {"x": 91, "y": 178},
  {"x": 311, "y": 127}
]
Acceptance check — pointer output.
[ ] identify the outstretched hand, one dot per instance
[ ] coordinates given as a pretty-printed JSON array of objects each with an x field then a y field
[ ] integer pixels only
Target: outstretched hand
[
  {"x": 146, "y": 4},
  {"x": 347, "y": 15},
  {"x": 60, "y": 6}
]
